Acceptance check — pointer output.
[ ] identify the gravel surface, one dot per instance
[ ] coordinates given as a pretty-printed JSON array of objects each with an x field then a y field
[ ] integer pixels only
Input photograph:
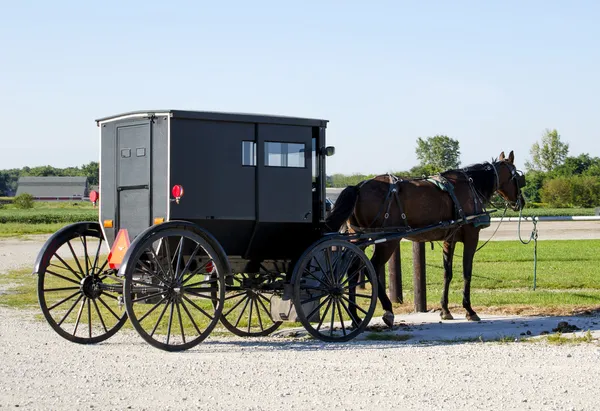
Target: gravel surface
[{"x": 41, "y": 370}]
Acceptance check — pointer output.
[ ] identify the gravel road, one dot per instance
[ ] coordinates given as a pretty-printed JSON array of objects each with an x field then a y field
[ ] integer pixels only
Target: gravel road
[{"x": 40, "y": 370}]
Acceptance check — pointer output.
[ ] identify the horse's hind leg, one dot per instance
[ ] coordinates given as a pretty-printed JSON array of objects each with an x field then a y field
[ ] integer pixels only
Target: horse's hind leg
[
  {"x": 469, "y": 251},
  {"x": 382, "y": 254},
  {"x": 448, "y": 257}
]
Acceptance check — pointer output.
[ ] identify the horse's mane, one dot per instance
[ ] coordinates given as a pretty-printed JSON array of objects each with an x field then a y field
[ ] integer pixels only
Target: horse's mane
[{"x": 482, "y": 176}]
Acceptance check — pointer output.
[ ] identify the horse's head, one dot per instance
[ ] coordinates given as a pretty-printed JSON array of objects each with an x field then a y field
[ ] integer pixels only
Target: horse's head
[{"x": 510, "y": 181}]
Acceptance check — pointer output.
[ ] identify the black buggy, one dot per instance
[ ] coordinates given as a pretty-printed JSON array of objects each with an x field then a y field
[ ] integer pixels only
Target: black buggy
[{"x": 206, "y": 218}]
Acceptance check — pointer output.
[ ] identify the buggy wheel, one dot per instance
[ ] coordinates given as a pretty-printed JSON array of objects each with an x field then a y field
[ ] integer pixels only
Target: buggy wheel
[
  {"x": 327, "y": 297},
  {"x": 247, "y": 308},
  {"x": 78, "y": 294},
  {"x": 174, "y": 285}
]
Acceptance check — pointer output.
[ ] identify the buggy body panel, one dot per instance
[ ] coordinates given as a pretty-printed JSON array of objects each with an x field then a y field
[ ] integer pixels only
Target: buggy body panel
[{"x": 255, "y": 182}]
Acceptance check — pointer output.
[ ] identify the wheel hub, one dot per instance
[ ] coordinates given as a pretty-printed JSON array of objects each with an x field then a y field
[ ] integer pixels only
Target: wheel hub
[{"x": 90, "y": 286}]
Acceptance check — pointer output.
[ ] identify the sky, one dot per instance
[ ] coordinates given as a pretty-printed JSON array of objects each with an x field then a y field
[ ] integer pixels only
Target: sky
[{"x": 492, "y": 75}]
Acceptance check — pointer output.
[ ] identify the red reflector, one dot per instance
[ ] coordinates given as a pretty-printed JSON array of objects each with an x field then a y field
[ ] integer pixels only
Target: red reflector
[
  {"x": 177, "y": 191},
  {"x": 119, "y": 248},
  {"x": 94, "y": 196},
  {"x": 210, "y": 267}
]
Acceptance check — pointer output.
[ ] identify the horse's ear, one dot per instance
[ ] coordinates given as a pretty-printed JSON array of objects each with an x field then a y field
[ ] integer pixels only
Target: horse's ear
[
  {"x": 501, "y": 156},
  {"x": 511, "y": 157}
]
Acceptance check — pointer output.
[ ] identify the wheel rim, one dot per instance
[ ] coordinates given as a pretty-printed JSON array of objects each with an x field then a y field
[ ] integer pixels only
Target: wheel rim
[
  {"x": 247, "y": 307},
  {"x": 328, "y": 294},
  {"x": 174, "y": 290},
  {"x": 78, "y": 293}
]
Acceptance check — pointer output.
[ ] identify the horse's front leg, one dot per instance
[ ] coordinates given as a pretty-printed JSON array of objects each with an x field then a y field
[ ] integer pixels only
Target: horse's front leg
[
  {"x": 468, "y": 254},
  {"x": 382, "y": 254},
  {"x": 448, "y": 257}
]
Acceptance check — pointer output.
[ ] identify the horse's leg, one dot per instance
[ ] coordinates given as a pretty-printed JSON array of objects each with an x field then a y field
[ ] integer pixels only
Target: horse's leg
[
  {"x": 382, "y": 254},
  {"x": 354, "y": 278},
  {"x": 448, "y": 257},
  {"x": 471, "y": 238}
]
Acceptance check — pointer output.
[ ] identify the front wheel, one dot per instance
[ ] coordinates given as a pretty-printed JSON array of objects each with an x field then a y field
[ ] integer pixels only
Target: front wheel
[
  {"x": 174, "y": 285},
  {"x": 327, "y": 297}
]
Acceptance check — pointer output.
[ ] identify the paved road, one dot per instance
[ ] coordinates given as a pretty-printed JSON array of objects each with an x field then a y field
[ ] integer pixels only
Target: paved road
[{"x": 547, "y": 230}]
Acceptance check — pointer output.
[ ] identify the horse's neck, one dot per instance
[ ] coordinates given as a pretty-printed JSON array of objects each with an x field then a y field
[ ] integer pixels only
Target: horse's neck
[{"x": 483, "y": 181}]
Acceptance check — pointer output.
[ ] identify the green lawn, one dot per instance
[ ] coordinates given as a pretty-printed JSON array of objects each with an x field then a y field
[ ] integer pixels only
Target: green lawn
[{"x": 567, "y": 277}]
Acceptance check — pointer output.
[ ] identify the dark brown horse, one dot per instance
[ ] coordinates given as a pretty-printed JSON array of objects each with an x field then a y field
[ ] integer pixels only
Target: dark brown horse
[{"x": 387, "y": 203}]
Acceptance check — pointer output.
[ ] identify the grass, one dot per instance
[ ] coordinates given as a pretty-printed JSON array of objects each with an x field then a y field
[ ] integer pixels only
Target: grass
[
  {"x": 547, "y": 212},
  {"x": 45, "y": 217},
  {"x": 559, "y": 339},
  {"x": 20, "y": 229},
  {"x": 502, "y": 278}
]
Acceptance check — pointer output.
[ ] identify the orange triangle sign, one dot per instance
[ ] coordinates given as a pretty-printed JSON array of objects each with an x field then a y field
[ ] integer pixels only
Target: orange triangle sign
[{"x": 119, "y": 248}]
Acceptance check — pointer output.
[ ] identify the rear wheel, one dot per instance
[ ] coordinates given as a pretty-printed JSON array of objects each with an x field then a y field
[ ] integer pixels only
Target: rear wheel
[
  {"x": 78, "y": 293},
  {"x": 327, "y": 297},
  {"x": 247, "y": 308},
  {"x": 174, "y": 285}
]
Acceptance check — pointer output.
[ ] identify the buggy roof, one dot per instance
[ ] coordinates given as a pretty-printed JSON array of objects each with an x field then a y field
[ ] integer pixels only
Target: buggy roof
[{"x": 218, "y": 116}]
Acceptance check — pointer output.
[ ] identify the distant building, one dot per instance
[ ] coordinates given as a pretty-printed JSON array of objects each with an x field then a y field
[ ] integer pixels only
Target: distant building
[{"x": 54, "y": 188}]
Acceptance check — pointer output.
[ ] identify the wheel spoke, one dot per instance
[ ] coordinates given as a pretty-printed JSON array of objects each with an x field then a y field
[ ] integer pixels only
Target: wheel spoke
[
  {"x": 154, "y": 307},
  {"x": 159, "y": 318},
  {"x": 79, "y": 314},
  {"x": 68, "y": 267},
  {"x": 318, "y": 307},
  {"x": 62, "y": 276},
  {"x": 332, "y": 318},
  {"x": 61, "y": 289},
  {"x": 196, "y": 271},
  {"x": 70, "y": 309},
  {"x": 197, "y": 307},
  {"x": 354, "y": 273},
  {"x": 108, "y": 308},
  {"x": 135, "y": 300},
  {"x": 179, "y": 257},
  {"x": 339, "y": 310},
  {"x": 352, "y": 316},
  {"x": 324, "y": 314},
  {"x": 355, "y": 305},
  {"x": 242, "y": 312},
  {"x": 180, "y": 322},
  {"x": 187, "y": 265},
  {"x": 170, "y": 319},
  {"x": 83, "y": 273},
  {"x": 258, "y": 314},
  {"x": 235, "y": 305},
  {"x": 89, "y": 305},
  {"x": 100, "y": 316},
  {"x": 64, "y": 300},
  {"x": 250, "y": 313},
  {"x": 190, "y": 317}
]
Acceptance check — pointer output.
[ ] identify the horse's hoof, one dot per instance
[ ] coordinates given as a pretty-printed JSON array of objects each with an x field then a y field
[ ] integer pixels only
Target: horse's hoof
[
  {"x": 473, "y": 317},
  {"x": 446, "y": 316},
  {"x": 388, "y": 318}
]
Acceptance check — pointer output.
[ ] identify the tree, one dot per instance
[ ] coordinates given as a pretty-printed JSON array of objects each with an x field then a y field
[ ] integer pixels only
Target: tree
[
  {"x": 548, "y": 154},
  {"x": 438, "y": 153}
]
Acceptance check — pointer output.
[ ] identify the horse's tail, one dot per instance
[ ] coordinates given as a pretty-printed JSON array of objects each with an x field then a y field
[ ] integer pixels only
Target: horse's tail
[{"x": 343, "y": 208}]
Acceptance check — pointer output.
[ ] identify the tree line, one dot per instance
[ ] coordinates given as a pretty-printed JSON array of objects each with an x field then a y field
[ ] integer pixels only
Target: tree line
[
  {"x": 10, "y": 177},
  {"x": 554, "y": 178}
]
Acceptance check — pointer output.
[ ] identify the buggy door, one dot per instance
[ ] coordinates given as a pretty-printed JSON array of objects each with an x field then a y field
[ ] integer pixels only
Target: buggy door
[
  {"x": 133, "y": 177},
  {"x": 284, "y": 174}
]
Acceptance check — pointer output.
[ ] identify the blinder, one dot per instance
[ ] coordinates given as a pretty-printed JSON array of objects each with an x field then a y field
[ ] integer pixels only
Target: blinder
[{"x": 521, "y": 181}]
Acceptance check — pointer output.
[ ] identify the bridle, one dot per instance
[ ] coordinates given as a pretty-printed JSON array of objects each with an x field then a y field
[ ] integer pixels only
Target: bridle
[{"x": 517, "y": 177}]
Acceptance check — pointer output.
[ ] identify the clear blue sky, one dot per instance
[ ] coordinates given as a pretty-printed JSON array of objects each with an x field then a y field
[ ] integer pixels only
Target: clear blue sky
[{"x": 492, "y": 75}]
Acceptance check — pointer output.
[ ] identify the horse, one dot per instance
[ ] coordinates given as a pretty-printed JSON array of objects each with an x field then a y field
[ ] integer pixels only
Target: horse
[{"x": 388, "y": 203}]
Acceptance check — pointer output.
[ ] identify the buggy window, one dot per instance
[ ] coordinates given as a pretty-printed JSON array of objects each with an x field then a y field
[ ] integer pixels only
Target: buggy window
[
  {"x": 279, "y": 154},
  {"x": 248, "y": 153}
]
